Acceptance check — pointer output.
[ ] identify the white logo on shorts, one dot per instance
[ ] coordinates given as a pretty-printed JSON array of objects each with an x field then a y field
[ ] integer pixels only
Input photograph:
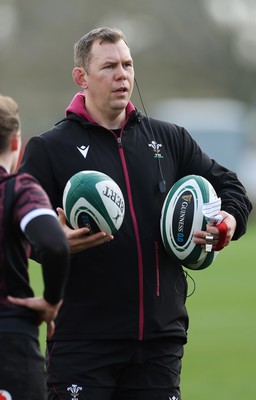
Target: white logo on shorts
[
  {"x": 74, "y": 389},
  {"x": 173, "y": 398}
]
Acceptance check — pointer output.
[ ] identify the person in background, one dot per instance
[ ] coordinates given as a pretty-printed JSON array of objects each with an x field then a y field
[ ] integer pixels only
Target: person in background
[
  {"x": 27, "y": 221},
  {"x": 121, "y": 330}
]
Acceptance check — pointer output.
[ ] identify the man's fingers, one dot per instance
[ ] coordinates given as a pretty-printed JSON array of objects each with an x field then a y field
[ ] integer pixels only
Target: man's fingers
[
  {"x": 62, "y": 217},
  {"x": 18, "y": 301},
  {"x": 50, "y": 329},
  {"x": 222, "y": 236}
]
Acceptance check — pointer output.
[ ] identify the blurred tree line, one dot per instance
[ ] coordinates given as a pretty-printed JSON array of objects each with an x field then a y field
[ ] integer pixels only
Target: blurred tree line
[{"x": 179, "y": 49}]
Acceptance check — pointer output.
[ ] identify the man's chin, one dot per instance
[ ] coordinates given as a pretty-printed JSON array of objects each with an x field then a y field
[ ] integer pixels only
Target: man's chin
[{"x": 119, "y": 104}]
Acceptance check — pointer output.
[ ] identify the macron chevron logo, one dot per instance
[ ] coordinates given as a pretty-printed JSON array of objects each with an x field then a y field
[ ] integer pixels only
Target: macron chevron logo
[{"x": 83, "y": 150}]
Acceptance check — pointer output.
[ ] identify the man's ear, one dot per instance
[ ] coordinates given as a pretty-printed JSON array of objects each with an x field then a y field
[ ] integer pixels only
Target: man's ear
[{"x": 80, "y": 77}]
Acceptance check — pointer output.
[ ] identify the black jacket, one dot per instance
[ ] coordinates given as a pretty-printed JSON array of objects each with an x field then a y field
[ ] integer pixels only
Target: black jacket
[{"x": 129, "y": 287}]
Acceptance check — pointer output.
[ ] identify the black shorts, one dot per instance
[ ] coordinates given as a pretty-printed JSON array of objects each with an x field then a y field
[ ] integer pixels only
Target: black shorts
[
  {"x": 114, "y": 370},
  {"x": 22, "y": 370}
]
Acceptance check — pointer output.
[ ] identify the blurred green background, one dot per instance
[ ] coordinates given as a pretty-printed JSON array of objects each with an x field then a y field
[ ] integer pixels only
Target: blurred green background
[
  {"x": 195, "y": 62},
  {"x": 219, "y": 360}
]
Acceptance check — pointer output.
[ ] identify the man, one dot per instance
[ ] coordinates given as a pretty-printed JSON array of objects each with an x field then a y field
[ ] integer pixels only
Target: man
[
  {"x": 123, "y": 324},
  {"x": 26, "y": 219}
]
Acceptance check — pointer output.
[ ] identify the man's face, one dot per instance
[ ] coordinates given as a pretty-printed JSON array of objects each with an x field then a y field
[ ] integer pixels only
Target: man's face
[{"x": 110, "y": 77}]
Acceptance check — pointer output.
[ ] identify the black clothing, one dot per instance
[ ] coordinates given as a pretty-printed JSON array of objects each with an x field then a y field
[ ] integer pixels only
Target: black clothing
[
  {"x": 128, "y": 288},
  {"x": 26, "y": 221},
  {"x": 115, "y": 369},
  {"x": 26, "y": 218},
  {"x": 22, "y": 372}
]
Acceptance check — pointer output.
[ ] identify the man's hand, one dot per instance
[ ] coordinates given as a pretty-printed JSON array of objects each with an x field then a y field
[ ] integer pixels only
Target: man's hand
[
  {"x": 46, "y": 311},
  {"x": 79, "y": 239},
  {"x": 229, "y": 220}
]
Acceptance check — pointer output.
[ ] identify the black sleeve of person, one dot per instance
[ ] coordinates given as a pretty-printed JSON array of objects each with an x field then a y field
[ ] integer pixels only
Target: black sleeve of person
[{"x": 52, "y": 252}]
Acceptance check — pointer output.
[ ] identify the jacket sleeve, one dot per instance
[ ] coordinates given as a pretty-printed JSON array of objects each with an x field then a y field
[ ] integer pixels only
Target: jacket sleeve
[
  {"x": 226, "y": 183},
  {"x": 37, "y": 220},
  {"x": 51, "y": 248},
  {"x": 189, "y": 158},
  {"x": 233, "y": 195}
]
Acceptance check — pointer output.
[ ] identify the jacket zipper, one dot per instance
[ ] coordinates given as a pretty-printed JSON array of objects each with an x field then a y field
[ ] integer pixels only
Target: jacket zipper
[
  {"x": 119, "y": 141},
  {"x": 136, "y": 230}
]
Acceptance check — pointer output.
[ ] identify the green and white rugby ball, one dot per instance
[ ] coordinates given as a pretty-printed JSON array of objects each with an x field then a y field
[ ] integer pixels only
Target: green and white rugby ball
[
  {"x": 94, "y": 200},
  {"x": 181, "y": 216}
]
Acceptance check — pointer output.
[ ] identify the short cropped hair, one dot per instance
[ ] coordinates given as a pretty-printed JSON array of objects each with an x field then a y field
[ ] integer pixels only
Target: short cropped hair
[
  {"x": 82, "y": 49},
  {"x": 9, "y": 120}
]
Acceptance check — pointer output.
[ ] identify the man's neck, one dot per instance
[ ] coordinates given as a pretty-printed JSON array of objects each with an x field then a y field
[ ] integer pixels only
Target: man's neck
[
  {"x": 109, "y": 121},
  {"x": 5, "y": 163}
]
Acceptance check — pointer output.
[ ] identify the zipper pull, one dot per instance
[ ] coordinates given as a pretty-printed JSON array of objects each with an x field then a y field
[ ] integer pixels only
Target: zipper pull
[{"x": 119, "y": 141}]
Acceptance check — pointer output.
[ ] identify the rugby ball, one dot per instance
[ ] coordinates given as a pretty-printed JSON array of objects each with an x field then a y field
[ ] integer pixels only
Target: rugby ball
[
  {"x": 182, "y": 215},
  {"x": 92, "y": 199}
]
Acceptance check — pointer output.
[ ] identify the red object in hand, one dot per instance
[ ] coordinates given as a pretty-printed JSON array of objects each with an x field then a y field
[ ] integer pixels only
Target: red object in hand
[{"x": 223, "y": 234}]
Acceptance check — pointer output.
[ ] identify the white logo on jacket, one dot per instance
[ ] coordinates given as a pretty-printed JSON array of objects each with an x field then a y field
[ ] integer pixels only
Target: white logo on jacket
[
  {"x": 83, "y": 150},
  {"x": 156, "y": 148}
]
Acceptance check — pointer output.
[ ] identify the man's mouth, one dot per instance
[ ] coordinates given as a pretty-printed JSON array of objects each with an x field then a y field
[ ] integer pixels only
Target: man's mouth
[{"x": 120, "y": 90}]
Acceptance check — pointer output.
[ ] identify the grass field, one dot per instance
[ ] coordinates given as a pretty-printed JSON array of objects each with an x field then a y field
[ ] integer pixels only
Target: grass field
[
  {"x": 220, "y": 357},
  {"x": 219, "y": 361}
]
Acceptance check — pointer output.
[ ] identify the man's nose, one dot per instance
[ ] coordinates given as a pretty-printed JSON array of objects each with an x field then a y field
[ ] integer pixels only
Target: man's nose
[{"x": 121, "y": 72}]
